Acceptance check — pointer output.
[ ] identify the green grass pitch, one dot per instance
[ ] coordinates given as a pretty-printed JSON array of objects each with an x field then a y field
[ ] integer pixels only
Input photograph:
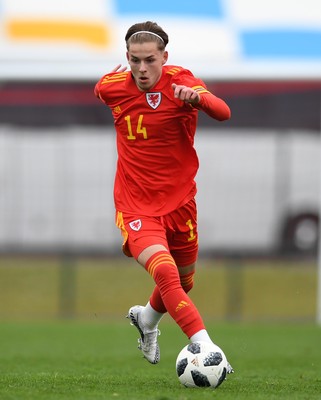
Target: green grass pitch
[{"x": 99, "y": 360}]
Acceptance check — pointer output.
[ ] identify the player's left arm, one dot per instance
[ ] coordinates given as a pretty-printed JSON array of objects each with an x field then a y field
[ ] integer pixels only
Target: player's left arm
[{"x": 202, "y": 99}]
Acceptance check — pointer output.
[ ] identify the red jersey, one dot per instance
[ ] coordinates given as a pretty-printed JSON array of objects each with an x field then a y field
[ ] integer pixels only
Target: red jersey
[{"x": 157, "y": 162}]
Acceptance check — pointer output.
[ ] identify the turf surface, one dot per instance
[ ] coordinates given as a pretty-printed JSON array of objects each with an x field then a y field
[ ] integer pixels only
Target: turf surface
[{"x": 99, "y": 360}]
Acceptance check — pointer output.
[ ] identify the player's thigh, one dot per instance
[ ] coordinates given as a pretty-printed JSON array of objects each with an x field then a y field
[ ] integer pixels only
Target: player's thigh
[
  {"x": 142, "y": 233},
  {"x": 182, "y": 234}
]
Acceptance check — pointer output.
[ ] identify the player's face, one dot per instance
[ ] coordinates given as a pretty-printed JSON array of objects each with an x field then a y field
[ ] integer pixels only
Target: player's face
[{"x": 146, "y": 62}]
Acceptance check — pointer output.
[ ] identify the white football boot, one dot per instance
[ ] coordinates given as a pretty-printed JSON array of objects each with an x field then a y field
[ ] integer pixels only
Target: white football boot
[
  {"x": 229, "y": 369},
  {"x": 148, "y": 339}
]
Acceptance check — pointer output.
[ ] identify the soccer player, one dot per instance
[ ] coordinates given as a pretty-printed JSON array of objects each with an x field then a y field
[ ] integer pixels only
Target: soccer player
[{"x": 155, "y": 109}]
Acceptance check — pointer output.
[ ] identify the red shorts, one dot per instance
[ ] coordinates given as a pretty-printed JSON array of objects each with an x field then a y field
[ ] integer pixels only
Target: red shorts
[{"x": 177, "y": 231}]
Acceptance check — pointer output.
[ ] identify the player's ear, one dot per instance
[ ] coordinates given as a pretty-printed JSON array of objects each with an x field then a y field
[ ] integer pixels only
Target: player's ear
[
  {"x": 165, "y": 57},
  {"x": 127, "y": 55}
]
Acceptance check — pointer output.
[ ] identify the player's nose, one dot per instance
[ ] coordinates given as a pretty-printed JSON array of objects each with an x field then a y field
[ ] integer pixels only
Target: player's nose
[{"x": 142, "y": 67}]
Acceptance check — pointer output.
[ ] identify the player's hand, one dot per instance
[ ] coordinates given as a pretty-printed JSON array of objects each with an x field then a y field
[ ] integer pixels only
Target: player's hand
[
  {"x": 186, "y": 94},
  {"x": 119, "y": 68}
]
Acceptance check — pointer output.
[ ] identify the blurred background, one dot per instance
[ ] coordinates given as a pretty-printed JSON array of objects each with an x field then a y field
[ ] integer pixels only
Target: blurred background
[{"x": 259, "y": 177}]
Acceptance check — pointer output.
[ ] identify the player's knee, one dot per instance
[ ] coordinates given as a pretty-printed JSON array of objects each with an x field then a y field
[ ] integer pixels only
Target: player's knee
[{"x": 163, "y": 269}]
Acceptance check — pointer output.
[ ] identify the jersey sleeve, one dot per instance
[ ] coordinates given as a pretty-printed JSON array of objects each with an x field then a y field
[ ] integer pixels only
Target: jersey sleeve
[
  {"x": 97, "y": 89},
  {"x": 212, "y": 105},
  {"x": 107, "y": 88},
  {"x": 98, "y": 85}
]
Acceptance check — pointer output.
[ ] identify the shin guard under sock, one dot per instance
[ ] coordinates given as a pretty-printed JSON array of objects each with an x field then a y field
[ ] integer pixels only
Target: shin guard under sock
[
  {"x": 187, "y": 282},
  {"x": 161, "y": 266}
]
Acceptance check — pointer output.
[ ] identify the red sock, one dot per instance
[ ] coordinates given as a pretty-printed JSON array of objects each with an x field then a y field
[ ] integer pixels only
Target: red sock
[
  {"x": 156, "y": 301},
  {"x": 187, "y": 282},
  {"x": 163, "y": 269}
]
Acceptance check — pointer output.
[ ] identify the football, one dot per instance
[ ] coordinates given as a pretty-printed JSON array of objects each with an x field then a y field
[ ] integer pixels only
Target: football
[{"x": 201, "y": 364}]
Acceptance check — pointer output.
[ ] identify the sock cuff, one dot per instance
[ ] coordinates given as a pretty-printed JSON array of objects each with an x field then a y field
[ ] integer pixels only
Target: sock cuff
[{"x": 157, "y": 259}]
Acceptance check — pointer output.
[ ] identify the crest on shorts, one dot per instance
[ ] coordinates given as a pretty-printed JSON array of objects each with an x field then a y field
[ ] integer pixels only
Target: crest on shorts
[
  {"x": 154, "y": 99},
  {"x": 136, "y": 225}
]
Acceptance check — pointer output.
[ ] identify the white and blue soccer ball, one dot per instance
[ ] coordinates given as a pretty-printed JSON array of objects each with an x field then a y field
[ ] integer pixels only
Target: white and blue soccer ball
[{"x": 201, "y": 364}]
